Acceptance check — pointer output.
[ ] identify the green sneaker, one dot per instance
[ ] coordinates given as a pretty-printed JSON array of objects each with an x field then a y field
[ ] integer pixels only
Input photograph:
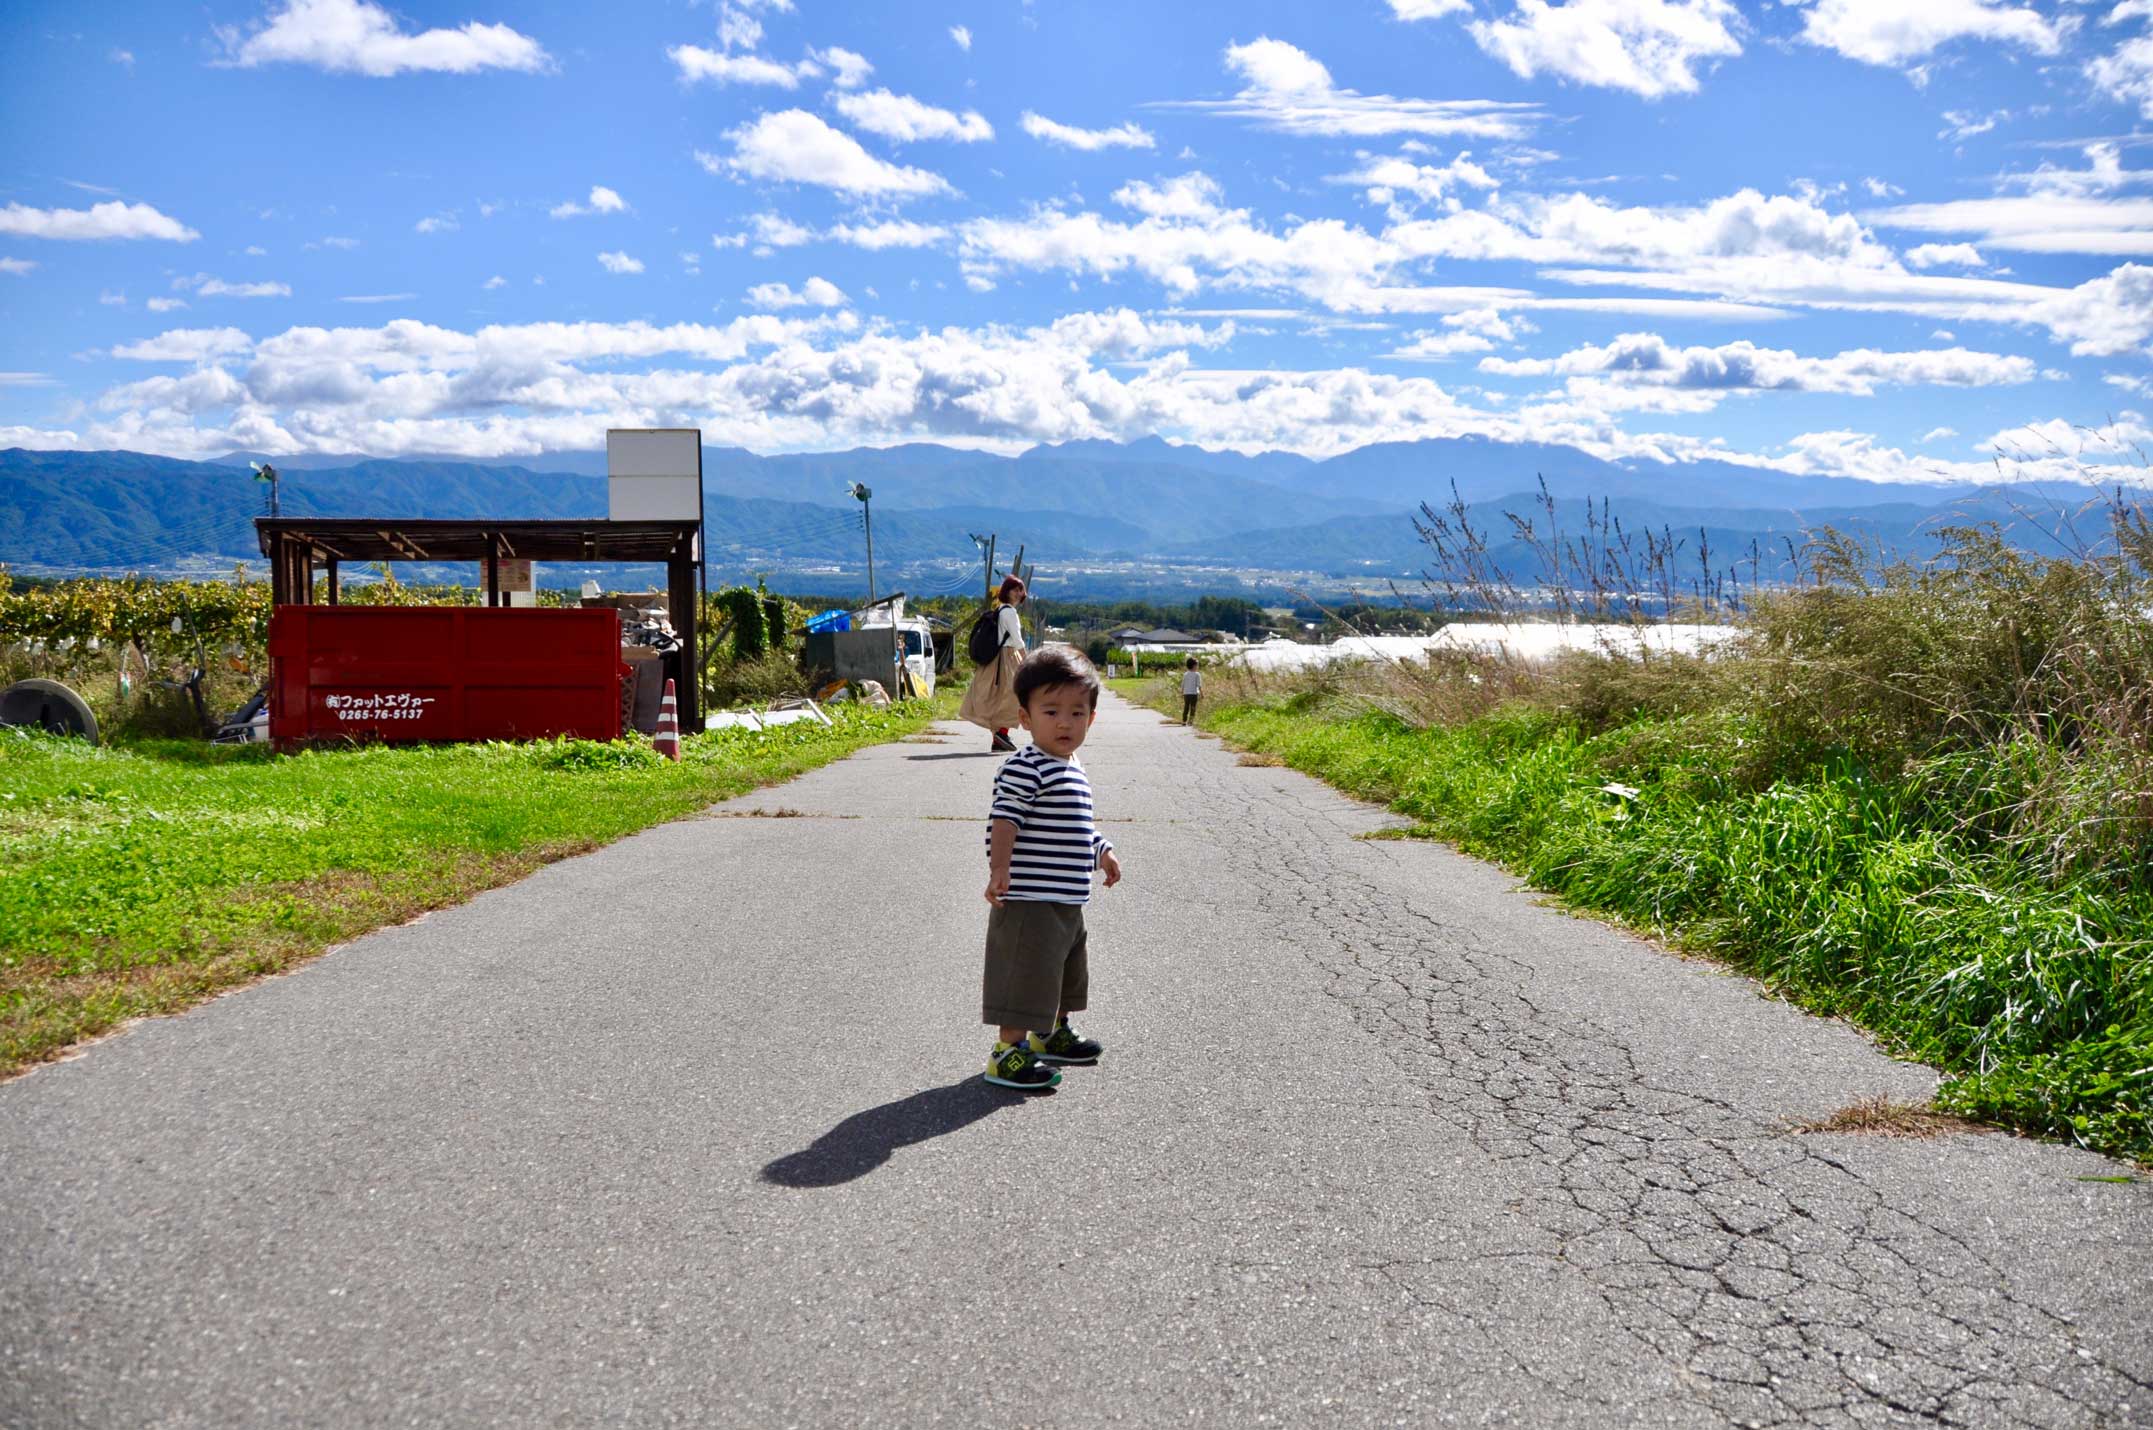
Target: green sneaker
[
  {"x": 1018, "y": 1067},
  {"x": 1064, "y": 1046}
]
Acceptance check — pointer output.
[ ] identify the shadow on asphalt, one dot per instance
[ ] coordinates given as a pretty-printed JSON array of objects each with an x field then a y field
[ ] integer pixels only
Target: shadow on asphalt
[
  {"x": 865, "y": 1140},
  {"x": 962, "y": 755}
]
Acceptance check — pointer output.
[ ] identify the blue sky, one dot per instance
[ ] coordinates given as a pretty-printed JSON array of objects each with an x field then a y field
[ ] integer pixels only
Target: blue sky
[{"x": 1883, "y": 238}]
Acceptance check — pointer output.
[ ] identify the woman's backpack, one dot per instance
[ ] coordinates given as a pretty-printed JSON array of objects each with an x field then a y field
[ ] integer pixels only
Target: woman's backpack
[{"x": 985, "y": 641}]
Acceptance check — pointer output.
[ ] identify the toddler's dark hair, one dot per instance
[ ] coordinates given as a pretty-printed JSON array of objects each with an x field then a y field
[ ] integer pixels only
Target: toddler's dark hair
[
  {"x": 1056, "y": 665},
  {"x": 1192, "y": 662}
]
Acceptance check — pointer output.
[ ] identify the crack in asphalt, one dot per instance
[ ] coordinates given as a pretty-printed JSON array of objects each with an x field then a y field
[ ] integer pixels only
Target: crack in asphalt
[{"x": 1783, "y": 1286}]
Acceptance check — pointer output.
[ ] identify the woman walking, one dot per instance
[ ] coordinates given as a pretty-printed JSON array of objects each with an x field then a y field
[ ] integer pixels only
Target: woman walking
[{"x": 991, "y": 700}]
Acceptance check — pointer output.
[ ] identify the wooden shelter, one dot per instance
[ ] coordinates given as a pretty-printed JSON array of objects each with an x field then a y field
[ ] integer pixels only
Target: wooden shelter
[{"x": 298, "y": 547}]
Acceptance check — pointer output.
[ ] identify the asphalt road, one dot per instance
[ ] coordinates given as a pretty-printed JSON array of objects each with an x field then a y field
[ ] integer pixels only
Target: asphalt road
[{"x": 688, "y": 1131}]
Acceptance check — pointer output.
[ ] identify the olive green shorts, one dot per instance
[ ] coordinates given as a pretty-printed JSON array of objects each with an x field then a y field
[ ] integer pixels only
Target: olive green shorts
[{"x": 1036, "y": 966}]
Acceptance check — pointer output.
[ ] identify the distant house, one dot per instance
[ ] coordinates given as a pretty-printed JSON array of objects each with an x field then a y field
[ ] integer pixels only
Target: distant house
[
  {"x": 1127, "y": 634},
  {"x": 1166, "y": 635}
]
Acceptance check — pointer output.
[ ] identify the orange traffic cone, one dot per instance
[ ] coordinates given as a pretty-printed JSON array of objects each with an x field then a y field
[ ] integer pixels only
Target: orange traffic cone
[{"x": 668, "y": 737}]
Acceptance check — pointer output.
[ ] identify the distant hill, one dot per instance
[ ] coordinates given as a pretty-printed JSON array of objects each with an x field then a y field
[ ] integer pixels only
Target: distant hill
[
  {"x": 1150, "y": 503},
  {"x": 127, "y": 510},
  {"x": 1390, "y": 545}
]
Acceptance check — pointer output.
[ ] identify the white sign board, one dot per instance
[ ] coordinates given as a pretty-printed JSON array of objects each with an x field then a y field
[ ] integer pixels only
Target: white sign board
[
  {"x": 517, "y": 581},
  {"x": 654, "y": 474}
]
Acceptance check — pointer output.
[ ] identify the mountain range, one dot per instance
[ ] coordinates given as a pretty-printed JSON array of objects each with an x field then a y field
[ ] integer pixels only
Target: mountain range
[{"x": 1101, "y": 513}]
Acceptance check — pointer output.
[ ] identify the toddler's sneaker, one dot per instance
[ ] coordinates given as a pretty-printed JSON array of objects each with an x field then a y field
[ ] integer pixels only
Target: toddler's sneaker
[
  {"x": 1019, "y": 1067},
  {"x": 1064, "y": 1046}
]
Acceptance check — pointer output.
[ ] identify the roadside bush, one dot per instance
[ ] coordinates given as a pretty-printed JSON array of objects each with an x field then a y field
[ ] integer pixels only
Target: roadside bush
[
  {"x": 581, "y": 755},
  {"x": 773, "y": 675}
]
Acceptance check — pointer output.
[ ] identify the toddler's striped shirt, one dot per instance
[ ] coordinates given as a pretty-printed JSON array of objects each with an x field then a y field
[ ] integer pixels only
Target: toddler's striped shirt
[{"x": 1049, "y": 801}]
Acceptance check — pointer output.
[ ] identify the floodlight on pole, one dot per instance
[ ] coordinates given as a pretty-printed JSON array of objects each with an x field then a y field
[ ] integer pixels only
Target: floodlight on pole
[{"x": 263, "y": 472}]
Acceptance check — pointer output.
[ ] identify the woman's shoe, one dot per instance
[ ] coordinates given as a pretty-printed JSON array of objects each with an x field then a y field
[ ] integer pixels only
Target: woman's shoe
[{"x": 1002, "y": 745}]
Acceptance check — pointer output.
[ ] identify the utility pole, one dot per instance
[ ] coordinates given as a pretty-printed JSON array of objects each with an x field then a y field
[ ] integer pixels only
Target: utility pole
[
  {"x": 986, "y": 551},
  {"x": 867, "y": 520}
]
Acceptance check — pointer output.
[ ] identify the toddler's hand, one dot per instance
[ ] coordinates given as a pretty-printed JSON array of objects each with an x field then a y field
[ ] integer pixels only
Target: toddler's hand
[
  {"x": 1112, "y": 866},
  {"x": 997, "y": 885}
]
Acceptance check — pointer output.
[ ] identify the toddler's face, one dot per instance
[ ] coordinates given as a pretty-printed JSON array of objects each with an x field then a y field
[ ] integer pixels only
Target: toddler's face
[{"x": 1059, "y": 718}]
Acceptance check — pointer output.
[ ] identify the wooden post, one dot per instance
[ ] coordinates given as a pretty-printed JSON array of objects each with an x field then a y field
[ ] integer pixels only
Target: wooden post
[
  {"x": 680, "y": 607},
  {"x": 493, "y": 577},
  {"x": 280, "y": 571},
  {"x": 336, "y": 588}
]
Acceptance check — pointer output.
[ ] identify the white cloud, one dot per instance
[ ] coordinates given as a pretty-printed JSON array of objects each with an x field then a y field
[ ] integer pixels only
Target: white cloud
[
  {"x": 2036, "y": 223},
  {"x": 1477, "y": 330},
  {"x": 164, "y": 305},
  {"x": 2125, "y": 74},
  {"x": 1892, "y": 33},
  {"x": 1961, "y": 124},
  {"x": 1429, "y": 9},
  {"x": 377, "y": 298},
  {"x": 2104, "y": 173},
  {"x": 331, "y": 242},
  {"x": 737, "y": 29},
  {"x": 793, "y": 146},
  {"x": 1286, "y": 89},
  {"x": 852, "y": 69},
  {"x": 696, "y": 63},
  {"x": 602, "y": 201},
  {"x": 1938, "y": 434},
  {"x": 1649, "y": 47},
  {"x": 962, "y": 36},
  {"x": 2102, "y": 316},
  {"x": 123, "y": 58},
  {"x": 1187, "y": 239},
  {"x": 1646, "y": 359},
  {"x": 356, "y": 37},
  {"x": 772, "y": 383},
  {"x": 1386, "y": 177},
  {"x": 187, "y": 345},
  {"x": 437, "y": 223},
  {"x": 1742, "y": 256},
  {"x": 619, "y": 263},
  {"x": 891, "y": 233},
  {"x": 815, "y": 293},
  {"x": 907, "y": 120},
  {"x": 770, "y": 231},
  {"x": 1878, "y": 189},
  {"x": 1121, "y": 136},
  {"x": 205, "y": 286},
  {"x": 98, "y": 221},
  {"x": 112, "y": 299},
  {"x": 16, "y": 267},
  {"x": 255, "y": 250},
  {"x": 497, "y": 281},
  {"x": 1930, "y": 255}
]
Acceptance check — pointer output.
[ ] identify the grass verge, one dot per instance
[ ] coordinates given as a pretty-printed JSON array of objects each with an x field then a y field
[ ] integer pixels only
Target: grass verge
[
  {"x": 138, "y": 879},
  {"x": 1859, "y": 895}
]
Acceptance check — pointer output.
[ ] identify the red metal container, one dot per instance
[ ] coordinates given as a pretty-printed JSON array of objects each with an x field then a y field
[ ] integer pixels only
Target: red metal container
[{"x": 443, "y": 673}]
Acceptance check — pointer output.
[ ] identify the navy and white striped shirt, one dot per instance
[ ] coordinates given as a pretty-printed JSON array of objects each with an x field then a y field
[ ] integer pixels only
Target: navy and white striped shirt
[{"x": 1049, "y": 801}]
